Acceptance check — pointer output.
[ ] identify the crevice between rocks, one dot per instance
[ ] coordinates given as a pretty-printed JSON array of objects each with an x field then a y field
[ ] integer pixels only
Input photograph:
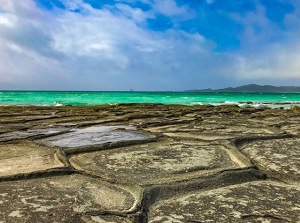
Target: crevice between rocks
[
  {"x": 155, "y": 193},
  {"x": 40, "y": 174},
  {"x": 33, "y": 137},
  {"x": 244, "y": 217},
  {"x": 107, "y": 146},
  {"x": 239, "y": 142}
]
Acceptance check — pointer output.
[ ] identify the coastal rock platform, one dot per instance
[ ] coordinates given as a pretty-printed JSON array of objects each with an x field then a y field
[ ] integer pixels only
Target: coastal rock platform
[{"x": 149, "y": 163}]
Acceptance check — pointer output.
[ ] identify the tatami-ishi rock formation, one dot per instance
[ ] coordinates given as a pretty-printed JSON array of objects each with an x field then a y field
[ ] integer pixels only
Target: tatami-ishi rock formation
[{"x": 149, "y": 163}]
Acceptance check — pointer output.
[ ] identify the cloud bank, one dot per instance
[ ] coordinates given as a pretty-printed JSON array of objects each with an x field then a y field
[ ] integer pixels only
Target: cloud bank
[{"x": 147, "y": 45}]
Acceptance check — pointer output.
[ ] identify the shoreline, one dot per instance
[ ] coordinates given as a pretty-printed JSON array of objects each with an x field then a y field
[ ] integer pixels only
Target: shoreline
[{"x": 240, "y": 104}]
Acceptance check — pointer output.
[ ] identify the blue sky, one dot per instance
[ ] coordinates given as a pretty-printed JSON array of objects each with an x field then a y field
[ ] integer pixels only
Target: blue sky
[{"x": 148, "y": 44}]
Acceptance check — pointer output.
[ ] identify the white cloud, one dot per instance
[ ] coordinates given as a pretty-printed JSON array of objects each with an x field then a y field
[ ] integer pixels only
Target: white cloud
[
  {"x": 257, "y": 28},
  {"x": 109, "y": 49},
  {"x": 94, "y": 50},
  {"x": 274, "y": 62},
  {"x": 8, "y": 20},
  {"x": 136, "y": 14},
  {"x": 170, "y": 8}
]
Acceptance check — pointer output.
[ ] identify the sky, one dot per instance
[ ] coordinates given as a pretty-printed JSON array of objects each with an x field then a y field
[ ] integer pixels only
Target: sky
[{"x": 148, "y": 45}]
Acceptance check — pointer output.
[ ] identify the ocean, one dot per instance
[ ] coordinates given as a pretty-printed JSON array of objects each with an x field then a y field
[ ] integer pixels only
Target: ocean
[{"x": 86, "y": 98}]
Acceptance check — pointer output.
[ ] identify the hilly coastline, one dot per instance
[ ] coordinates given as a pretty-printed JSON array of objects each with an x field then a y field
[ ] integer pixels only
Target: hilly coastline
[{"x": 253, "y": 88}]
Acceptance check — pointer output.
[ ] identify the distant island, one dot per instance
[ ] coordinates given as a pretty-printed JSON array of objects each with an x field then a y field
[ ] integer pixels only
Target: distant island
[{"x": 253, "y": 88}]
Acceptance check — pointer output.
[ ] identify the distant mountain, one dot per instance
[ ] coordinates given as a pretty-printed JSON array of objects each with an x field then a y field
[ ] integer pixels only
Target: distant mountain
[{"x": 253, "y": 88}]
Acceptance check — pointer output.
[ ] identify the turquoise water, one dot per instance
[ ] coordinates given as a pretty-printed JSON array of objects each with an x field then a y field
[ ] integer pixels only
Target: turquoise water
[{"x": 50, "y": 98}]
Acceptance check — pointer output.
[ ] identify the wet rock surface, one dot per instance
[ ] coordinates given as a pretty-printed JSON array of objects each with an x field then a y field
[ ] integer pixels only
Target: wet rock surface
[
  {"x": 149, "y": 163},
  {"x": 94, "y": 136}
]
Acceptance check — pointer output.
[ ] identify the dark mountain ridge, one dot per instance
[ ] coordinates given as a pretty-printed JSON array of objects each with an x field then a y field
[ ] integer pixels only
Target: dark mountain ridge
[{"x": 253, "y": 88}]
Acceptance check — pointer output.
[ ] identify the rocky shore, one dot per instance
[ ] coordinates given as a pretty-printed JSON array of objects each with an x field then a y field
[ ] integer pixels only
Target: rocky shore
[{"x": 149, "y": 163}]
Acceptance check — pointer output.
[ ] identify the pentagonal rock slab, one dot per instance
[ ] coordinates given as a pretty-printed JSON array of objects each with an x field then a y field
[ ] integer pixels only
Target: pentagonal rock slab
[
  {"x": 250, "y": 202},
  {"x": 52, "y": 199},
  {"x": 27, "y": 157},
  {"x": 155, "y": 162},
  {"x": 95, "y": 135},
  {"x": 279, "y": 158}
]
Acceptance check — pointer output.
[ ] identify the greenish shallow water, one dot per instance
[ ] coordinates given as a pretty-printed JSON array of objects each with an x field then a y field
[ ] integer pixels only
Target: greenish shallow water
[{"x": 55, "y": 98}]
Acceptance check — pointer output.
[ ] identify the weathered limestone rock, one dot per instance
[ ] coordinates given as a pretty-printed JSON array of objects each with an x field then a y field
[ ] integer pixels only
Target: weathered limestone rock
[
  {"x": 27, "y": 157},
  {"x": 15, "y": 118},
  {"x": 94, "y": 136},
  {"x": 17, "y": 135},
  {"x": 96, "y": 197},
  {"x": 107, "y": 219},
  {"x": 141, "y": 163},
  {"x": 250, "y": 202},
  {"x": 292, "y": 128},
  {"x": 279, "y": 158},
  {"x": 211, "y": 130},
  {"x": 157, "y": 163},
  {"x": 295, "y": 109},
  {"x": 52, "y": 199}
]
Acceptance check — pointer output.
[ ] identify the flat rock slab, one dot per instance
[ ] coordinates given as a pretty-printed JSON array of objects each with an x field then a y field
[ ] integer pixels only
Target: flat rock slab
[
  {"x": 250, "y": 202},
  {"x": 96, "y": 197},
  {"x": 192, "y": 168},
  {"x": 27, "y": 157},
  {"x": 21, "y": 118},
  {"x": 215, "y": 130},
  {"x": 94, "y": 135},
  {"x": 159, "y": 162},
  {"x": 279, "y": 158},
  {"x": 52, "y": 199},
  {"x": 293, "y": 128},
  {"x": 17, "y": 135}
]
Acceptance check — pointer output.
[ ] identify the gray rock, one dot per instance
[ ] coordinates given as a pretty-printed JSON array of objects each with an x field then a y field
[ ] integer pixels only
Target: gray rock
[
  {"x": 139, "y": 163},
  {"x": 27, "y": 157},
  {"x": 54, "y": 199},
  {"x": 36, "y": 133},
  {"x": 94, "y": 136},
  {"x": 156, "y": 163},
  {"x": 96, "y": 197},
  {"x": 250, "y": 202},
  {"x": 278, "y": 158}
]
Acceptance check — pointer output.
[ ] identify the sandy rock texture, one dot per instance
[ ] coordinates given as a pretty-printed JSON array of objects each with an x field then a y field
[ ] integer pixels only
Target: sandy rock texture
[{"x": 149, "y": 163}]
